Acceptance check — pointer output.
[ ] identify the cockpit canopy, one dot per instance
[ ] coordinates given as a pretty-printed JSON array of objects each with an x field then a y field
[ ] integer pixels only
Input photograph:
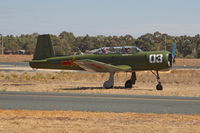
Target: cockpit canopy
[{"x": 116, "y": 50}]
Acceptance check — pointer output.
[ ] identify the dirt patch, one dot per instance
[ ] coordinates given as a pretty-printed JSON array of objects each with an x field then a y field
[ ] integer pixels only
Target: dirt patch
[{"x": 75, "y": 122}]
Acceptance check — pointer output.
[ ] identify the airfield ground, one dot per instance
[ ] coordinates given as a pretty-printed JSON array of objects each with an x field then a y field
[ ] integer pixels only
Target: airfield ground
[
  {"x": 15, "y": 58},
  {"x": 176, "y": 83},
  {"x": 90, "y": 122}
]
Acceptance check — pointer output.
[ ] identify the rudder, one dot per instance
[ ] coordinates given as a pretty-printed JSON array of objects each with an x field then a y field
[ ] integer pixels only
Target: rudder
[{"x": 44, "y": 48}]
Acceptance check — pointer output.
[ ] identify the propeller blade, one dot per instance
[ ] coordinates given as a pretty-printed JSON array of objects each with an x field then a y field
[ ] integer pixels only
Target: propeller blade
[{"x": 174, "y": 50}]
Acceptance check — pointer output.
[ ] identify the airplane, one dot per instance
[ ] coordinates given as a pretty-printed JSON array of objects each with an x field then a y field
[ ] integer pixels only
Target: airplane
[{"x": 106, "y": 59}]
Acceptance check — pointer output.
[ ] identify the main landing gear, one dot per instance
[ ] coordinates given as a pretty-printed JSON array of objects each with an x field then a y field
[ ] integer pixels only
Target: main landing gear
[
  {"x": 129, "y": 83},
  {"x": 159, "y": 86},
  {"x": 110, "y": 82}
]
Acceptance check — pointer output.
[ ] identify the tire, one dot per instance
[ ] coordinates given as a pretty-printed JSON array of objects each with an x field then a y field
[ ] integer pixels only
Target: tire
[
  {"x": 109, "y": 87},
  {"x": 128, "y": 84},
  {"x": 159, "y": 87}
]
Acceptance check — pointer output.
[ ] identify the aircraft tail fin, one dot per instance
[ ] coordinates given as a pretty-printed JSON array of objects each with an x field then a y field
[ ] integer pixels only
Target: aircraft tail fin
[{"x": 44, "y": 48}]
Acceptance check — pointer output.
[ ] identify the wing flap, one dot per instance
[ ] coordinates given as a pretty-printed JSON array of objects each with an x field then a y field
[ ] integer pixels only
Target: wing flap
[{"x": 96, "y": 66}]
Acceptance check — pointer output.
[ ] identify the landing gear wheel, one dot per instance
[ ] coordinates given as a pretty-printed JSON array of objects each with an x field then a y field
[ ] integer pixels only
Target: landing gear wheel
[
  {"x": 107, "y": 85},
  {"x": 128, "y": 84},
  {"x": 159, "y": 87},
  {"x": 110, "y": 82}
]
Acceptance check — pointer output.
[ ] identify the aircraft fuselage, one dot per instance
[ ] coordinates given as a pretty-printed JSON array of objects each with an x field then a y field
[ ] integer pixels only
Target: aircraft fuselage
[{"x": 151, "y": 60}]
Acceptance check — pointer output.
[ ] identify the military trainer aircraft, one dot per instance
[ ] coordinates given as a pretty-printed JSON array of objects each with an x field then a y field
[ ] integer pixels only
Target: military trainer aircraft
[{"x": 106, "y": 59}]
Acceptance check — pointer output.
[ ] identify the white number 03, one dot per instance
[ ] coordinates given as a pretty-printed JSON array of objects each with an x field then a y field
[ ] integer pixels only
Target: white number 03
[{"x": 155, "y": 58}]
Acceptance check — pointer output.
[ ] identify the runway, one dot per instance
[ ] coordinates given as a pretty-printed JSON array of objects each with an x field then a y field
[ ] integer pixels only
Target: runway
[{"x": 99, "y": 102}]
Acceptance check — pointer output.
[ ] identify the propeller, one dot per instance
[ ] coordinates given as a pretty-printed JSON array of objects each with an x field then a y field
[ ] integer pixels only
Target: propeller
[
  {"x": 174, "y": 52},
  {"x": 172, "y": 56}
]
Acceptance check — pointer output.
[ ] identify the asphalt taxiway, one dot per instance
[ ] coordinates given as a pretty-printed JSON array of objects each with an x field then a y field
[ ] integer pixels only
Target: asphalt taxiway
[{"x": 99, "y": 102}]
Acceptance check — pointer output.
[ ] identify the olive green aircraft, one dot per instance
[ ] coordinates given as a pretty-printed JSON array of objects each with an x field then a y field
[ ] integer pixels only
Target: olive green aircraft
[{"x": 105, "y": 59}]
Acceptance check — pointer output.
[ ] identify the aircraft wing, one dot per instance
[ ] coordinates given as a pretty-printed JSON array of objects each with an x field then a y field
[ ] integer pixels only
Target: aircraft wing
[{"x": 96, "y": 66}]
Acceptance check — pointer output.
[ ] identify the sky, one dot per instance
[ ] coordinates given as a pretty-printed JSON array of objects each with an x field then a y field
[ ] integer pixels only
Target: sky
[{"x": 100, "y": 17}]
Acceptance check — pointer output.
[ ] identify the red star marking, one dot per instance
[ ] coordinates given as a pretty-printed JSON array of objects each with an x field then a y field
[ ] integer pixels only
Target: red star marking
[{"x": 68, "y": 63}]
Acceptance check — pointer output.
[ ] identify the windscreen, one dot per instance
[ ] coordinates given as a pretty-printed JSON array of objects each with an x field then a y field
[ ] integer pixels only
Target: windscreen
[{"x": 116, "y": 50}]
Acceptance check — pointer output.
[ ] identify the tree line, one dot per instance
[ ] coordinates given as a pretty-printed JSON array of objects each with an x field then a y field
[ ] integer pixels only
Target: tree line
[{"x": 66, "y": 43}]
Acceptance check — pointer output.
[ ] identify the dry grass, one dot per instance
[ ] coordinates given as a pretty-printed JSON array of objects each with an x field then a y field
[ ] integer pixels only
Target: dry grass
[
  {"x": 176, "y": 83},
  {"x": 89, "y": 122},
  {"x": 187, "y": 62},
  {"x": 15, "y": 58}
]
